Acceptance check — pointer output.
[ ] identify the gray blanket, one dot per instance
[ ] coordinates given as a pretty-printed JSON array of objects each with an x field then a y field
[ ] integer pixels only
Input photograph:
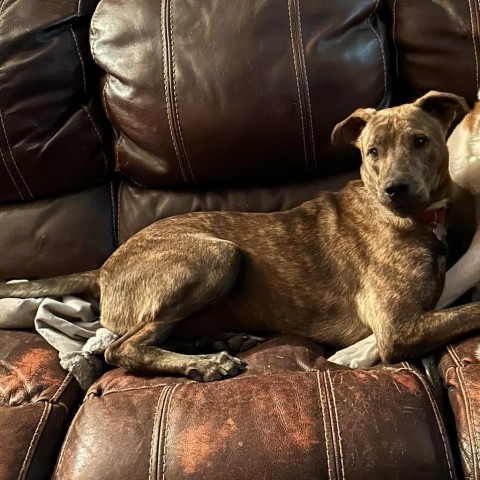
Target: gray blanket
[{"x": 69, "y": 324}]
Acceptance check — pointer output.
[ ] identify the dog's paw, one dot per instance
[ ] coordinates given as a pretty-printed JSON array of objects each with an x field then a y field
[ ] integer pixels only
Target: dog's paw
[
  {"x": 357, "y": 356},
  {"x": 208, "y": 368},
  {"x": 477, "y": 353},
  {"x": 235, "y": 343}
]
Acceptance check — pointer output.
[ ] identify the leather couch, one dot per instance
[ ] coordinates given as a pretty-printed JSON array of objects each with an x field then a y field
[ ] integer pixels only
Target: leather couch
[{"x": 118, "y": 113}]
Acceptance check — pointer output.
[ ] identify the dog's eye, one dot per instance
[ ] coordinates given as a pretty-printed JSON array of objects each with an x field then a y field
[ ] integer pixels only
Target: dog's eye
[
  {"x": 372, "y": 152},
  {"x": 420, "y": 141}
]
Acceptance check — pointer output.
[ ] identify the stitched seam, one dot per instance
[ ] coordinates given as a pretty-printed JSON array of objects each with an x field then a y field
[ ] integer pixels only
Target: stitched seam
[
  {"x": 153, "y": 467},
  {"x": 474, "y": 43},
  {"x": 10, "y": 175},
  {"x": 438, "y": 419},
  {"x": 332, "y": 427},
  {"x": 81, "y": 60},
  {"x": 2, "y": 4},
  {"x": 307, "y": 89},
  {"x": 119, "y": 198},
  {"x": 394, "y": 38},
  {"x": 62, "y": 387},
  {"x": 166, "y": 81},
  {"x": 40, "y": 426},
  {"x": 175, "y": 102},
  {"x": 166, "y": 429},
  {"x": 340, "y": 448},
  {"x": 470, "y": 422},
  {"x": 85, "y": 108},
  {"x": 114, "y": 225},
  {"x": 12, "y": 157},
  {"x": 297, "y": 82},
  {"x": 327, "y": 447},
  {"x": 385, "y": 87},
  {"x": 454, "y": 356}
]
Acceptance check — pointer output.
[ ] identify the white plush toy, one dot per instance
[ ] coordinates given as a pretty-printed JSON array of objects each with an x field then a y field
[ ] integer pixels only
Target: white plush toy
[{"x": 464, "y": 166}]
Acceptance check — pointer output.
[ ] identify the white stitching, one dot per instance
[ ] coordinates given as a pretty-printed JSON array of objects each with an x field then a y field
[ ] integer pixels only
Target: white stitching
[
  {"x": 10, "y": 175},
  {"x": 154, "y": 430},
  {"x": 81, "y": 60},
  {"x": 175, "y": 93},
  {"x": 340, "y": 448},
  {"x": 470, "y": 421},
  {"x": 41, "y": 423},
  {"x": 438, "y": 419},
  {"x": 327, "y": 448},
  {"x": 61, "y": 388},
  {"x": 307, "y": 89},
  {"x": 381, "y": 48},
  {"x": 474, "y": 43},
  {"x": 453, "y": 354},
  {"x": 13, "y": 159},
  {"x": 298, "y": 83},
  {"x": 394, "y": 37},
  {"x": 165, "y": 82},
  {"x": 85, "y": 108},
  {"x": 168, "y": 402}
]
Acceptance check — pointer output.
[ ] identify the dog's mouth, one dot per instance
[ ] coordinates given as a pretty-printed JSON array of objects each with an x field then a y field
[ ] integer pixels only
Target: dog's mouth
[{"x": 407, "y": 207}]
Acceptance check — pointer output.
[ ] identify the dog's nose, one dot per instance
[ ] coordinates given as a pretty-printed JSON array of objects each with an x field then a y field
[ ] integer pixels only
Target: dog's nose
[{"x": 396, "y": 188}]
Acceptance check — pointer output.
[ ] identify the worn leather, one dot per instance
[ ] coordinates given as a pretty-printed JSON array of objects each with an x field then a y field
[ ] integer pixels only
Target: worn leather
[
  {"x": 460, "y": 369},
  {"x": 52, "y": 139},
  {"x": 57, "y": 236},
  {"x": 225, "y": 91},
  {"x": 138, "y": 207},
  {"x": 437, "y": 47},
  {"x": 36, "y": 399},
  {"x": 286, "y": 417}
]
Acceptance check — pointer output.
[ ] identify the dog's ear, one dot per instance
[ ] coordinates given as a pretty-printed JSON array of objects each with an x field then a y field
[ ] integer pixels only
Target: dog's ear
[
  {"x": 348, "y": 131},
  {"x": 448, "y": 108}
]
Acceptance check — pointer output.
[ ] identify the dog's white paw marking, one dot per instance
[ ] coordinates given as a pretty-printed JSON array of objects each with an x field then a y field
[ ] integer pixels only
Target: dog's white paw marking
[
  {"x": 477, "y": 353},
  {"x": 362, "y": 354}
]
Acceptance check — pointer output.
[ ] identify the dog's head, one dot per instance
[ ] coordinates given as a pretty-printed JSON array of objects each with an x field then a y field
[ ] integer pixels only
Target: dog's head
[{"x": 404, "y": 150}]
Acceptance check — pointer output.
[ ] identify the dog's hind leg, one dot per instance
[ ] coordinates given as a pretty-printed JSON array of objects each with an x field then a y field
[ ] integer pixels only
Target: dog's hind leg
[{"x": 174, "y": 279}]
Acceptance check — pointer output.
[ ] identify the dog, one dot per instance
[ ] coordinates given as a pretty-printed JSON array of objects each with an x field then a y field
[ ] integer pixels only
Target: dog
[
  {"x": 464, "y": 168},
  {"x": 368, "y": 258}
]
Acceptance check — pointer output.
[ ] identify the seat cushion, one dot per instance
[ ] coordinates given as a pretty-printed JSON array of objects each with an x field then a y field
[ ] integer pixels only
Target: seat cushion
[
  {"x": 288, "y": 416},
  {"x": 460, "y": 370},
  {"x": 37, "y": 398}
]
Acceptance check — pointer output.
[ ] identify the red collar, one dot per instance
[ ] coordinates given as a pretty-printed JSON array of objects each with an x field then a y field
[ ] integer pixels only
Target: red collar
[{"x": 432, "y": 216}]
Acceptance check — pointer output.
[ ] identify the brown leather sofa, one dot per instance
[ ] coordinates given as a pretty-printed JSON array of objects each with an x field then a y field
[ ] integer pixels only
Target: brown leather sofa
[{"x": 183, "y": 105}]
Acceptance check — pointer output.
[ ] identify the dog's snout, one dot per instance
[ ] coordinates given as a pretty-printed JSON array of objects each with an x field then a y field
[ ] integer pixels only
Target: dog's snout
[{"x": 396, "y": 188}]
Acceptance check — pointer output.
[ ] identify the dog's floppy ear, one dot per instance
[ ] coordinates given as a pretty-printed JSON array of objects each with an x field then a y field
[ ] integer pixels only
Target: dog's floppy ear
[
  {"x": 448, "y": 108},
  {"x": 348, "y": 131}
]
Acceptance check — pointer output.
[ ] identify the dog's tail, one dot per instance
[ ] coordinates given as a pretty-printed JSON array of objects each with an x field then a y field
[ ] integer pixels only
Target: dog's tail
[{"x": 78, "y": 283}]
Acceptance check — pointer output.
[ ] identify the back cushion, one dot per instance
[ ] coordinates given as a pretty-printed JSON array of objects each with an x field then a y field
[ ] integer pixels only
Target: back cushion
[
  {"x": 437, "y": 45},
  {"x": 50, "y": 137},
  {"x": 206, "y": 91}
]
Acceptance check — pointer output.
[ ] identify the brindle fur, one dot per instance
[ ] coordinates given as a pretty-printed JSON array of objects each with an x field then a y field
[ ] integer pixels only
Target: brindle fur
[{"x": 334, "y": 269}]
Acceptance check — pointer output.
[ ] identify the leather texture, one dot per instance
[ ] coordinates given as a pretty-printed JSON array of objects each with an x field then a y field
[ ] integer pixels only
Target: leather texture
[
  {"x": 57, "y": 236},
  {"x": 460, "y": 369},
  {"x": 138, "y": 207},
  {"x": 51, "y": 135},
  {"x": 286, "y": 417},
  {"x": 36, "y": 399},
  {"x": 228, "y": 91},
  {"x": 437, "y": 47}
]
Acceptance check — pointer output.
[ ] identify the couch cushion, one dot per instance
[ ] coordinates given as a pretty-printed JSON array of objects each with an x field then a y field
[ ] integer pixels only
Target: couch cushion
[
  {"x": 204, "y": 91},
  {"x": 36, "y": 399},
  {"x": 51, "y": 138},
  {"x": 138, "y": 207},
  {"x": 286, "y": 417},
  {"x": 57, "y": 236},
  {"x": 437, "y": 44},
  {"x": 460, "y": 369}
]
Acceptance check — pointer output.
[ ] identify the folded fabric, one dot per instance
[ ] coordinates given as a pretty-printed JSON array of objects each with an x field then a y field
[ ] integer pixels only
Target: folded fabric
[{"x": 69, "y": 324}]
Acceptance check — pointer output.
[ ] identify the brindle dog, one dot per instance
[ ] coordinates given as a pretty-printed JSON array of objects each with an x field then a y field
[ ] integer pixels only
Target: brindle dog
[{"x": 334, "y": 269}]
